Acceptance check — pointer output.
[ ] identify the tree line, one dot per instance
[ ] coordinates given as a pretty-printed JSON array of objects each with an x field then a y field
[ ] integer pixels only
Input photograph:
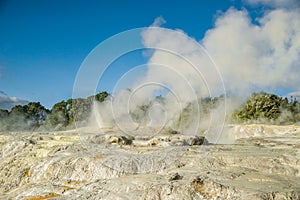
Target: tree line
[
  {"x": 34, "y": 116},
  {"x": 260, "y": 107}
]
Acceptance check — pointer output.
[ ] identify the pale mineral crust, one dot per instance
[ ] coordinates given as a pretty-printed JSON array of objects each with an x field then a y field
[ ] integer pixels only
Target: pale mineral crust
[{"x": 263, "y": 163}]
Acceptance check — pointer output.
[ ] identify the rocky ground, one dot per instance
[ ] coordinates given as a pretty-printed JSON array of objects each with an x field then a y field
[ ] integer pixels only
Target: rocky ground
[{"x": 263, "y": 163}]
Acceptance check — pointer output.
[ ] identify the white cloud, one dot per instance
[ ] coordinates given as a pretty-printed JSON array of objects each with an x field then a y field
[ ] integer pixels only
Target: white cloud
[
  {"x": 294, "y": 94},
  {"x": 7, "y": 102},
  {"x": 275, "y": 3},
  {"x": 159, "y": 21}
]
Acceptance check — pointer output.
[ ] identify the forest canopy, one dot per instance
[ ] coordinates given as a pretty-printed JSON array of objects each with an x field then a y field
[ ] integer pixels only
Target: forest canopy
[{"x": 34, "y": 116}]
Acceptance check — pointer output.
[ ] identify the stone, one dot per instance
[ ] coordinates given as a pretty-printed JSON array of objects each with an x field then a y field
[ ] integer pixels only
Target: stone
[{"x": 175, "y": 176}]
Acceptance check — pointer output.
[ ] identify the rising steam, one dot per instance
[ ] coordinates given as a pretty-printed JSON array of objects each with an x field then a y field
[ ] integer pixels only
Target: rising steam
[{"x": 242, "y": 54}]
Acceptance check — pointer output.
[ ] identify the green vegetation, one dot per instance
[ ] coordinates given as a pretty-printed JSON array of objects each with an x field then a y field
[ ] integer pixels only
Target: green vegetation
[
  {"x": 34, "y": 116},
  {"x": 59, "y": 114},
  {"x": 30, "y": 116},
  {"x": 260, "y": 107},
  {"x": 268, "y": 108}
]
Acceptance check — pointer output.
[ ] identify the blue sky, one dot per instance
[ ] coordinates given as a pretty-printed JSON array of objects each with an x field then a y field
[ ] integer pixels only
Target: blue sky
[{"x": 43, "y": 43}]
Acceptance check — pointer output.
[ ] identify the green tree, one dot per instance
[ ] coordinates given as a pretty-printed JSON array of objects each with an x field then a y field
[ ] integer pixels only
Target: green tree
[
  {"x": 36, "y": 112},
  {"x": 270, "y": 107},
  {"x": 3, "y": 114},
  {"x": 101, "y": 96},
  {"x": 260, "y": 106},
  {"x": 81, "y": 109},
  {"x": 27, "y": 117},
  {"x": 59, "y": 114}
]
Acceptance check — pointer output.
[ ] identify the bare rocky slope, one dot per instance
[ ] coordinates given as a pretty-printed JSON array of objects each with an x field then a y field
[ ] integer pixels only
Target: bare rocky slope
[{"x": 263, "y": 163}]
